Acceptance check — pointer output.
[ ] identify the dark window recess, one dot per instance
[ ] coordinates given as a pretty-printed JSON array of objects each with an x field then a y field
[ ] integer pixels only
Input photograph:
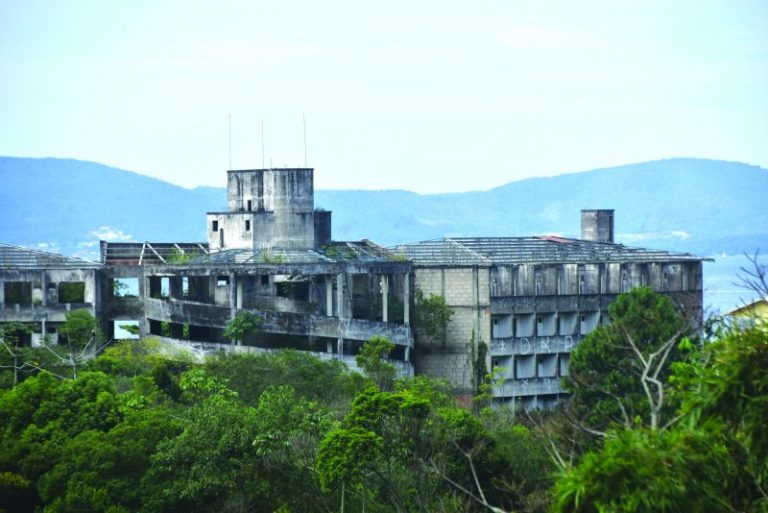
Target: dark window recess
[
  {"x": 72, "y": 292},
  {"x": 250, "y": 206},
  {"x": 247, "y": 224},
  {"x": 51, "y": 330},
  {"x": 265, "y": 279},
  {"x": 215, "y": 226},
  {"x": 18, "y": 292}
]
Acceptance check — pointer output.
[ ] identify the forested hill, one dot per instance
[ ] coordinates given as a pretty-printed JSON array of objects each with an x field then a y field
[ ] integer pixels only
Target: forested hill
[{"x": 701, "y": 206}]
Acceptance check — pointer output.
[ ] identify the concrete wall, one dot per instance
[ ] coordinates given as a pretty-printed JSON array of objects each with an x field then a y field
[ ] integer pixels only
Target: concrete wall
[
  {"x": 536, "y": 279},
  {"x": 40, "y": 304},
  {"x": 277, "y": 203},
  {"x": 467, "y": 291}
]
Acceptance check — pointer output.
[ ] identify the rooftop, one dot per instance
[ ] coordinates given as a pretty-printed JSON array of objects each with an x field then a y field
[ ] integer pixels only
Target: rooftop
[
  {"x": 15, "y": 257},
  {"x": 150, "y": 253},
  {"x": 519, "y": 250},
  {"x": 194, "y": 254}
]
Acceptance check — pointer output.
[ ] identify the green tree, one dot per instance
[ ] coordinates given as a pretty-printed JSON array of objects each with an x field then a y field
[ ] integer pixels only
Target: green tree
[
  {"x": 245, "y": 324},
  {"x": 647, "y": 470},
  {"x": 713, "y": 459},
  {"x": 13, "y": 355},
  {"x": 325, "y": 381},
  {"x": 42, "y": 413},
  {"x": 372, "y": 359},
  {"x": 99, "y": 470},
  {"x": 432, "y": 314},
  {"x": 409, "y": 449},
  {"x": 80, "y": 336},
  {"x": 618, "y": 373}
]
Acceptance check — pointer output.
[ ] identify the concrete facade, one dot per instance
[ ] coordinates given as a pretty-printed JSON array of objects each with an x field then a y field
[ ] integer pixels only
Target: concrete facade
[
  {"x": 466, "y": 291},
  {"x": 38, "y": 289},
  {"x": 520, "y": 304},
  {"x": 538, "y": 298}
]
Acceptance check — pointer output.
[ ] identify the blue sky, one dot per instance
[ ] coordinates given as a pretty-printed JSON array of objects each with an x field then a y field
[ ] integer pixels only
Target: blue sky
[{"x": 426, "y": 96}]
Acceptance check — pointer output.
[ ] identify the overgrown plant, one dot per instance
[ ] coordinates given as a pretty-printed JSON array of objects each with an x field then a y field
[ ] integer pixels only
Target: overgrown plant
[
  {"x": 432, "y": 314},
  {"x": 245, "y": 324}
]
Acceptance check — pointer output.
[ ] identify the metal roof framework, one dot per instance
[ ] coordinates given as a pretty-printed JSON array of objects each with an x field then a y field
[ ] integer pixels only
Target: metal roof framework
[
  {"x": 521, "y": 250},
  {"x": 17, "y": 257},
  {"x": 198, "y": 254}
]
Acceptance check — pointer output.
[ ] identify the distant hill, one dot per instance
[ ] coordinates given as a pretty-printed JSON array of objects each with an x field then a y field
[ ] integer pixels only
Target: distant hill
[
  {"x": 702, "y": 206},
  {"x": 707, "y": 207}
]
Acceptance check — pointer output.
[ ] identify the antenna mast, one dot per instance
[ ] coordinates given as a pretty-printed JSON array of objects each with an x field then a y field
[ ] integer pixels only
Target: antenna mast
[
  {"x": 262, "y": 144},
  {"x": 304, "y": 123}
]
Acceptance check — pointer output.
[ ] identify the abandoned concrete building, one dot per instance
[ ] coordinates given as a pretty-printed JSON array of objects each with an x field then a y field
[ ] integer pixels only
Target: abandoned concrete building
[
  {"x": 271, "y": 253},
  {"x": 533, "y": 299}
]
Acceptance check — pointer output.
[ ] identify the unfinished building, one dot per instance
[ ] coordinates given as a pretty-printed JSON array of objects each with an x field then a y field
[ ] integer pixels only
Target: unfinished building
[
  {"x": 271, "y": 254},
  {"x": 533, "y": 299},
  {"x": 529, "y": 300},
  {"x": 39, "y": 288}
]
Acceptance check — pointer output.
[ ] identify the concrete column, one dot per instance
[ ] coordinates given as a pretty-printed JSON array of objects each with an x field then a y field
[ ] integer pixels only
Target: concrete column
[
  {"x": 44, "y": 329},
  {"x": 341, "y": 311},
  {"x": 232, "y": 295},
  {"x": 239, "y": 290},
  {"x": 44, "y": 288},
  {"x": 328, "y": 295},
  {"x": 407, "y": 356},
  {"x": 2, "y": 293},
  {"x": 340, "y": 346},
  {"x": 174, "y": 287},
  {"x": 384, "y": 297},
  {"x": 143, "y": 326},
  {"x": 407, "y": 299}
]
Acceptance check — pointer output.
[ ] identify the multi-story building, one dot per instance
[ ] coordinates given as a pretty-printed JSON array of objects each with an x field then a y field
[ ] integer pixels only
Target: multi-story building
[
  {"x": 39, "y": 288},
  {"x": 270, "y": 253},
  {"x": 533, "y": 299},
  {"x": 528, "y": 300}
]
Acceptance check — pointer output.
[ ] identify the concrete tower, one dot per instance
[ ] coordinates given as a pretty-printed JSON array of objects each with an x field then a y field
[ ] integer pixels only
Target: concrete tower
[
  {"x": 597, "y": 225},
  {"x": 268, "y": 208}
]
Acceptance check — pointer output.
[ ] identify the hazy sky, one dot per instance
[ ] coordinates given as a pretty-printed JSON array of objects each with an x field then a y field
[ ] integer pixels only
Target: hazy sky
[{"x": 426, "y": 96}]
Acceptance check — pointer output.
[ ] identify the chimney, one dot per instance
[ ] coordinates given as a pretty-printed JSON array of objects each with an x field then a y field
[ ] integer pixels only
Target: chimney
[{"x": 597, "y": 225}]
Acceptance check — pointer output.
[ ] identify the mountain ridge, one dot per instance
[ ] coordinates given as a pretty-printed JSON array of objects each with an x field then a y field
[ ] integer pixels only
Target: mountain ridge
[{"x": 696, "y": 205}]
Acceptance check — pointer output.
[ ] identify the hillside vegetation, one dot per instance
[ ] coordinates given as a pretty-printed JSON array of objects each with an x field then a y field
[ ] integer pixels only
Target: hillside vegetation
[{"x": 679, "y": 429}]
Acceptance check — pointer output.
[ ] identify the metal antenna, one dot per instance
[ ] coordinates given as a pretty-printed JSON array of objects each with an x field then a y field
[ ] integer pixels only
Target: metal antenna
[
  {"x": 262, "y": 144},
  {"x": 230, "y": 141},
  {"x": 304, "y": 123}
]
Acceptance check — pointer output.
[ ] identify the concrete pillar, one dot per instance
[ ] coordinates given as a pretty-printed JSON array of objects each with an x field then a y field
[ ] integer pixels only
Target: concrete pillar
[
  {"x": 44, "y": 330},
  {"x": 44, "y": 288},
  {"x": 384, "y": 297},
  {"x": 407, "y": 299},
  {"x": 239, "y": 293},
  {"x": 407, "y": 356},
  {"x": 340, "y": 310},
  {"x": 2, "y": 293},
  {"x": 232, "y": 295},
  {"x": 328, "y": 295},
  {"x": 340, "y": 346},
  {"x": 174, "y": 287}
]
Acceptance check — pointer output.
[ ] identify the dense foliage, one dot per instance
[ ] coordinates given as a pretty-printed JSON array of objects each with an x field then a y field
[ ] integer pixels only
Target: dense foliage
[{"x": 287, "y": 432}]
